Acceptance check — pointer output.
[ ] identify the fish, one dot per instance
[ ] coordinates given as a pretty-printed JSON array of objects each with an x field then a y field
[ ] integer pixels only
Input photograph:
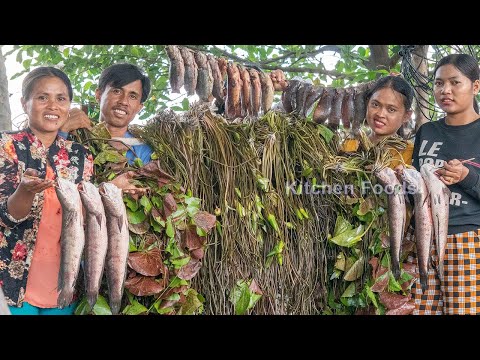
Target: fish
[
  {"x": 324, "y": 106},
  {"x": 191, "y": 71},
  {"x": 205, "y": 77},
  {"x": 4, "y": 309},
  {"x": 256, "y": 93},
  {"x": 313, "y": 94},
  {"x": 233, "y": 102},
  {"x": 246, "y": 90},
  {"x": 440, "y": 203},
  {"x": 222, "y": 66},
  {"x": 360, "y": 107},
  {"x": 177, "y": 68},
  {"x": 423, "y": 220},
  {"x": 118, "y": 242},
  {"x": 397, "y": 213},
  {"x": 289, "y": 96},
  {"x": 267, "y": 91},
  {"x": 217, "y": 90},
  {"x": 301, "y": 98},
  {"x": 96, "y": 239},
  {"x": 72, "y": 240},
  {"x": 336, "y": 113},
  {"x": 348, "y": 108}
]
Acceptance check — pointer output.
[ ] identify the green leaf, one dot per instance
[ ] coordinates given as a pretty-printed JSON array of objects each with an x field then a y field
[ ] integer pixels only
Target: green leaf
[
  {"x": 341, "y": 225},
  {"x": 27, "y": 63},
  {"x": 240, "y": 297},
  {"x": 174, "y": 297},
  {"x": 108, "y": 156},
  {"x": 176, "y": 282},
  {"x": 157, "y": 201},
  {"x": 169, "y": 229},
  {"x": 19, "y": 57},
  {"x": 173, "y": 249},
  {"x": 101, "y": 307},
  {"x": 201, "y": 232},
  {"x": 349, "y": 291},
  {"x": 131, "y": 245},
  {"x": 193, "y": 303},
  {"x": 273, "y": 222},
  {"x": 336, "y": 274},
  {"x": 185, "y": 104},
  {"x": 145, "y": 202},
  {"x": 87, "y": 85},
  {"x": 325, "y": 132},
  {"x": 131, "y": 204},
  {"x": 179, "y": 262},
  {"x": 262, "y": 183},
  {"x": 179, "y": 213},
  {"x": 138, "y": 162},
  {"x": 192, "y": 201},
  {"x": 192, "y": 210},
  {"x": 156, "y": 227},
  {"x": 83, "y": 308},
  {"x": 218, "y": 227},
  {"x": 355, "y": 271},
  {"x": 371, "y": 295},
  {"x": 135, "y": 217},
  {"x": 135, "y": 308},
  {"x": 157, "y": 305},
  {"x": 405, "y": 277},
  {"x": 135, "y": 52},
  {"x": 393, "y": 284},
  {"x": 349, "y": 237},
  {"x": 361, "y": 51}
]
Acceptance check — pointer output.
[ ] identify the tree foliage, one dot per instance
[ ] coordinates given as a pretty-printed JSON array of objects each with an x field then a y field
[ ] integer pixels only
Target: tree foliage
[
  {"x": 84, "y": 63},
  {"x": 354, "y": 64}
]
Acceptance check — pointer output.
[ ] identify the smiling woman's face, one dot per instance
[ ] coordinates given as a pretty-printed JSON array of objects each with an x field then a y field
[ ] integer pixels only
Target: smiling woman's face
[
  {"x": 48, "y": 105},
  {"x": 386, "y": 112},
  {"x": 453, "y": 91}
]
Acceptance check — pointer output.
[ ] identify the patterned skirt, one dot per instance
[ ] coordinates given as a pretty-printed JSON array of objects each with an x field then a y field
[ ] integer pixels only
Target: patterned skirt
[{"x": 459, "y": 294}]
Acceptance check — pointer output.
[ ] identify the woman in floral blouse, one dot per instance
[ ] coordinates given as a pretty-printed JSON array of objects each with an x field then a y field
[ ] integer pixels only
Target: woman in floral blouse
[{"x": 30, "y": 213}]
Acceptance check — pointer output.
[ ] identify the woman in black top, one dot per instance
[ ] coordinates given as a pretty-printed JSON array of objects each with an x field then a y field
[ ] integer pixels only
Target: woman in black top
[{"x": 445, "y": 143}]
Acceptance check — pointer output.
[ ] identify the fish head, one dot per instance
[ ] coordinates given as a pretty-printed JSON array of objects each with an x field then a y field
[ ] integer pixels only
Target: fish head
[
  {"x": 413, "y": 178},
  {"x": 428, "y": 172},
  {"x": 111, "y": 198},
  {"x": 67, "y": 193},
  {"x": 385, "y": 175},
  {"x": 90, "y": 196},
  {"x": 432, "y": 181}
]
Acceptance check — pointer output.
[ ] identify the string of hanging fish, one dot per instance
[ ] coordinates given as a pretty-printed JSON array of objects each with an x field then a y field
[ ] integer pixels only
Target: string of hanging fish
[{"x": 248, "y": 91}]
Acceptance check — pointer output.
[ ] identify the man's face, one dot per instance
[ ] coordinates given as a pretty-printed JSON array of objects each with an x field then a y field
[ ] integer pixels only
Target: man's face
[{"x": 118, "y": 106}]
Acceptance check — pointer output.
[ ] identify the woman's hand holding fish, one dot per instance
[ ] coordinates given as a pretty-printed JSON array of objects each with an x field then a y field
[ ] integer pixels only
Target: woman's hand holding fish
[{"x": 453, "y": 171}]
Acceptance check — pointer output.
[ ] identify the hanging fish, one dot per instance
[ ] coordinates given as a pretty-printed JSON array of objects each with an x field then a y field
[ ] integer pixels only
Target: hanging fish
[{"x": 177, "y": 68}]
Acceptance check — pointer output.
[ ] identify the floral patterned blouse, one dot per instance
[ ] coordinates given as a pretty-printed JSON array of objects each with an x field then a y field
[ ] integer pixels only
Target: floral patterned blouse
[{"x": 20, "y": 150}]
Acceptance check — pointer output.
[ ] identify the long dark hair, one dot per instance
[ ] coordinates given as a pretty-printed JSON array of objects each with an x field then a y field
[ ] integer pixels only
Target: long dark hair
[
  {"x": 33, "y": 76},
  {"x": 396, "y": 83},
  {"x": 467, "y": 65}
]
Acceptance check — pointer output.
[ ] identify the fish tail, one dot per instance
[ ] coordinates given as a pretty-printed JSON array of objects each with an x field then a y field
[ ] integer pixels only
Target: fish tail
[
  {"x": 424, "y": 282},
  {"x": 115, "y": 305},
  {"x": 396, "y": 269},
  {"x": 395, "y": 262},
  {"x": 92, "y": 298},
  {"x": 440, "y": 271},
  {"x": 64, "y": 298}
]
